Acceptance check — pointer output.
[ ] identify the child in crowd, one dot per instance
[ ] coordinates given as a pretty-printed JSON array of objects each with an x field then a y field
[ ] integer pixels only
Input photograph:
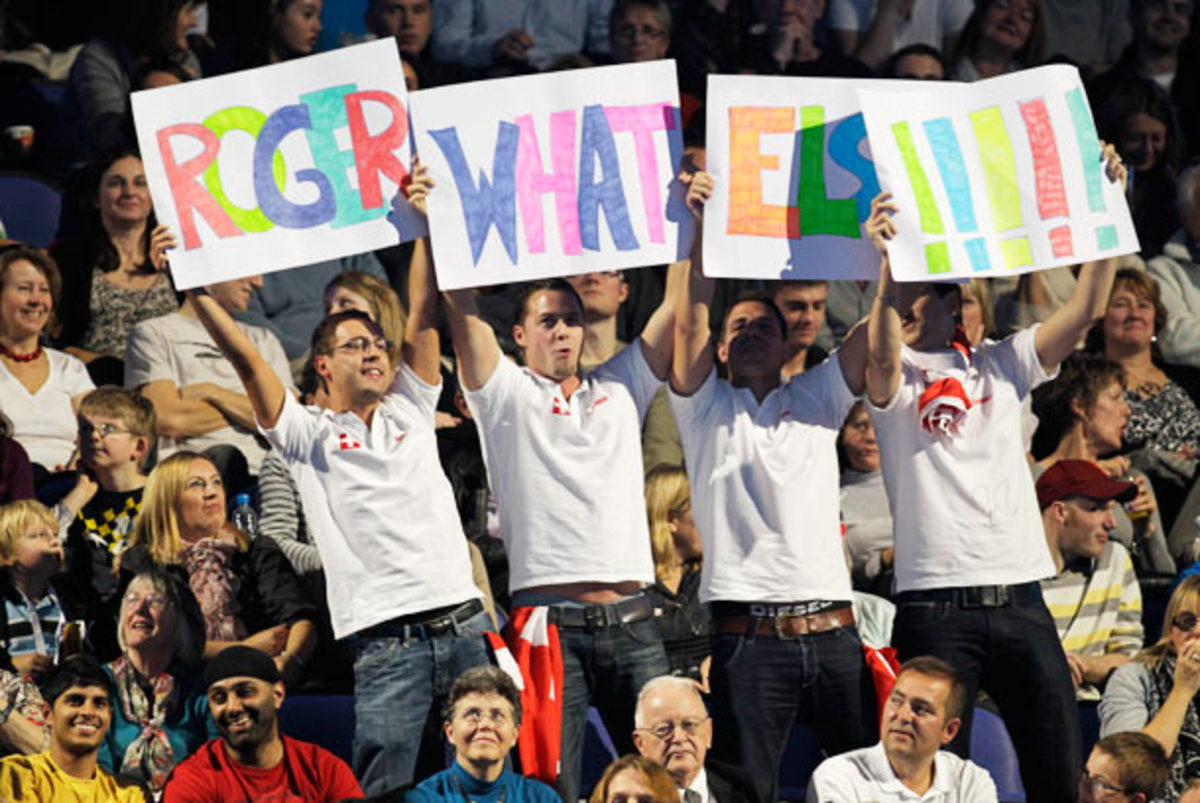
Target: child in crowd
[{"x": 30, "y": 554}]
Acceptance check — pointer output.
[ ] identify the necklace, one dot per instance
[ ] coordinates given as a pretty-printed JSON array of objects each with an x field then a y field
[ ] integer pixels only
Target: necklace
[{"x": 12, "y": 355}]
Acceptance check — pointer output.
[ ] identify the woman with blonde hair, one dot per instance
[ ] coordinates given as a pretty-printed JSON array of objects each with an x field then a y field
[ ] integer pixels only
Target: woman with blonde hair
[
  {"x": 634, "y": 779},
  {"x": 246, "y": 588},
  {"x": 1156, "y": 691},
  {"x": 675, "y": 545},
  {"x": 355, "y": 289}
]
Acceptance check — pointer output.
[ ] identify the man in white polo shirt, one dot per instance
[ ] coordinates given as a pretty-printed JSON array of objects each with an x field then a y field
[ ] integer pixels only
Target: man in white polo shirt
[
  {"x": 398, "y": 575},
  {"x": 762, "y": 460},
  {"x": 564, "y": 459},
  {"x": 922, "y": 714},
  {"x": 970, "y": 549}
]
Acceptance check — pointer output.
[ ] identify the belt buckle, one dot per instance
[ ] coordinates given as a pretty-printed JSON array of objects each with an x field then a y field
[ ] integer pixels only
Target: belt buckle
[
  {"x": 595, "y": 617},
  {"x": 778, "y": 621},
  {"x": 991, "y": 597}
]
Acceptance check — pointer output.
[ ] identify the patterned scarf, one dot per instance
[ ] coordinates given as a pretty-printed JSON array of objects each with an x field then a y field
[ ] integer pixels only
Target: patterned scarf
[
  {"x": 209, "y": 564},
  {"x": 150, "y": 755},
  {"x": 1185, "y": 761}
]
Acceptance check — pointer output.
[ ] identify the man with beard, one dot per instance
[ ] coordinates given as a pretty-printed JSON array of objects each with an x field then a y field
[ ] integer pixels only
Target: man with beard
[
  {"x": 251, "y": 761},
  {"x": 79, "y": 695}
]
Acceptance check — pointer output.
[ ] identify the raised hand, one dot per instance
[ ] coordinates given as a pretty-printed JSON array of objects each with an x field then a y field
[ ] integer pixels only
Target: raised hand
[
  {"x": 420, "y": 185},
  {"x": 879, "y": 226},
  {"x": 162, "y": 239},
  {"x": 700, "y": 188}
]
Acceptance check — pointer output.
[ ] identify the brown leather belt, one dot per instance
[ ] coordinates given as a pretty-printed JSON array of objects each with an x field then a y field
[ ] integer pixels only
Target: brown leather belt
[{"x": 785, "y": 626}]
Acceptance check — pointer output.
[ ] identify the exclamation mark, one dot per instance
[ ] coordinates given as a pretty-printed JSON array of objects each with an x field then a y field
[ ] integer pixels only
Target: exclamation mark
[
  {"x": 1000, "y": 172},
  {"x": 1089, "y": 150},
  {"x": 948, "y": 155},
  {"x": 937, "y": 255},
  {"x": 1047, "y": 170}
]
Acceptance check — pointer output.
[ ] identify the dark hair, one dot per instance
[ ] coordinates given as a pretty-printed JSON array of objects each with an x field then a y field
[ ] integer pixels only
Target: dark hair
[
  {"x": 1031, "y": 54},
  {"x": 859, "y": 407},
  {"x": 933, "y": 667},
  {"x": 322, "y": 337},
  {"x": 1081, "y": 378},
  {"x": 78, "y": 670},
  {"x": 146, "y": 28},
  {"x": 1144, "y": 764},
  {"x": 658, "y": 7},
  {"x": 888, "y": 68},
  {"x": 1138, "y": 95},
  {"x": 755, "y": 297},
  {"x": 483, "y": 680},
  {"x": 530, "y": 289},
  {"x": 1142, "y": 285}
]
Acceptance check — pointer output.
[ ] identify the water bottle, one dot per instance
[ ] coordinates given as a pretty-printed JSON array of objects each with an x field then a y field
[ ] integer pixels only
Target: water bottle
[{"x": 244, "y": 517}]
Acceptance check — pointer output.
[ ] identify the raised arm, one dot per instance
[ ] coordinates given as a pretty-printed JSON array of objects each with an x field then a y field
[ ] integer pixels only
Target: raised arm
[
  {"x": 264, "y": 388},
  {"x": 693, "y": 359},
  {"x": 882, "y": 372},
  {"x": 474, "y": 341},
  {"x": 658, "y": 337},
  {"x": 1056, "y": 338},
  {"x": 422, "y": 345}
]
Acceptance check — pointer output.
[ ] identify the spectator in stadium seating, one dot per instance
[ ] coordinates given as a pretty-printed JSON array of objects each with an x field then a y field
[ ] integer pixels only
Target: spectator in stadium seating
[
  {"x": 397, "y": 566},
  {"x": 252, "y": 760},
  {"x": 872, "y": 30},
  {"x": 410, "y": 23},
  {"x": 1163, "y": 431},
  {"x": 34, "y": 609},
  {"x": 1083, "y": 414},
  {"x": 639, "y": 30},
  {"x": 1000, "y": 37},
  {"x": 802, "y": 303},
  {"x": 1155, "y": 692},
  {"x": 1094, "y": 597},
  {"x": 112, "y": 254},
  {"x": 481, "y": 721},
  {"x": 16, "y": 473},
  {"x": 160, "y": 714},
  {"x": 631, "y": 778},
  {"x": 1177, "y": 270},
  {"x": 915, "y": 63},
  {"x": 197, "y": 397},
  {"x": 295, "y": 26},
  {"x": 518, "y": 35},
  {"x": 866, "y": 516},
  {"x": 245, "y": 587},
  {"x": 978, "y": 311},
  {"x": 761, "y": 456},
  {"x": 967, "y": 567},
  {"x": 78, "y": 696},
  {"x": 1129, "y": 766},
  {"x": 41, "y": 387},
  {"x": 675, "y": 544},
  {"x": 923, "y": 713},
  {"x": 135, "y": 32},
  {"x": 793, "y": 47},
  {"x": 375, "y": 298}
]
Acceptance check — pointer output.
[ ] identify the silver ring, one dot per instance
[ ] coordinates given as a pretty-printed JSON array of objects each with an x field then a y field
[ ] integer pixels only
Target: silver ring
[{"x": 1194, "y": 657}]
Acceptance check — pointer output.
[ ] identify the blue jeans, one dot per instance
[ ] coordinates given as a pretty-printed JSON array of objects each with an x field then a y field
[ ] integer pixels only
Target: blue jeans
[
  {"x": 762, "y": 685},
  {"x": 398, "y": 684},
  {"x": 1014, "y": 654},
  {"x": 605, "y": 668}
]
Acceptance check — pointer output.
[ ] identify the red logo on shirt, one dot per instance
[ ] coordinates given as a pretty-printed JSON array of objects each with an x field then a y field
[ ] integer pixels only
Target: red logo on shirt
[
  {"x": 599, "y": 402},
  {"x": 346, "y": 442},
  {"x": 560, "y": 407}
]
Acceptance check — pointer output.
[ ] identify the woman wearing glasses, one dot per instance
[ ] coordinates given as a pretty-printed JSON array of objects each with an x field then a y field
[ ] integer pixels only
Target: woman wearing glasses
[
  {"x": 1155, "y": 692},
  {"x": 160, "y": 713},
  {"x": 247, "y": 591}
]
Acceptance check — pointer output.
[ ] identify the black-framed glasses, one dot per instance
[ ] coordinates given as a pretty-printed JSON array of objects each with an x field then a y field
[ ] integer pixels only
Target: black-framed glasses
[
  {"x": 1185, "y": 621},
  {"x": 359, "y": 345},
  {"x": 626, "y": 33},
  {"x": 1098, "y": 786},
  {"x": 86, "y": 430},
  {"x": 665, "y": 730}
]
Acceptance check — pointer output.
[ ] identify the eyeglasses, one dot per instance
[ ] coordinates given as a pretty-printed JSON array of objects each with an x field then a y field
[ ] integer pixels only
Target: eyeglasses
[
  {"x": 86, "y": 430},
  {"x": 1185, "y": 621},
  {"x": 1098, "y": 786},
  {"x": 156, "y": 602},
  {"x": 476, "y": 715},
  {"x": 359, "y": 345},
  {"x": 628, "y": 32},
  {"x": 665, "y": 730}
]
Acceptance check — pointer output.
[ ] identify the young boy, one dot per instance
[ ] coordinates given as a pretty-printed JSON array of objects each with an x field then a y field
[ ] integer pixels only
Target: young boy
[
  {"x": 116, "y": 436},
  {"x": 30, "y": 554}
]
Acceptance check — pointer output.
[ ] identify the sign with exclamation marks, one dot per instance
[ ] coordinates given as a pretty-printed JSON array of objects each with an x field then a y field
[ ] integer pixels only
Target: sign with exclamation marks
[
  {"x": 948, "y": 155},
  {"x": 1093, "y": 171},
  {"x": 1000, "y": 174},
  {"x": 1047, "y": 174},
  {"x": 937, "y": 255}
]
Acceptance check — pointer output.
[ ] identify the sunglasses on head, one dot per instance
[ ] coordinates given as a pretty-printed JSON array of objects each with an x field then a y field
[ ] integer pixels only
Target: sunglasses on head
[{"x": 1185, "y": 621}]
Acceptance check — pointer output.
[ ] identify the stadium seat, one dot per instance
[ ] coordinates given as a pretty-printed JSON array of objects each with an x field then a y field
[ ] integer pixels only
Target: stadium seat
[
  {"x": 992, "y": 749},
  {"x": 29, "y": 208}
]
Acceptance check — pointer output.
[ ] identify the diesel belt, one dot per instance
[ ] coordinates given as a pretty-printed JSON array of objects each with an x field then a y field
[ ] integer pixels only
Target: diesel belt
[
  {"x": 426, "y": 624},
  {"x": 784, "y": 626},
  {"x": 599, "y": 617}
]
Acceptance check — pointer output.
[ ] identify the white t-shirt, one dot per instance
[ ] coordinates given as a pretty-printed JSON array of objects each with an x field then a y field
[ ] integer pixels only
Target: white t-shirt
[
  {"x": 866, "y": 775},
  {"x": 178, "y": 348},
  {"x": 378, "y": 505},
  {"x": 930, "y": 23},
  {"x": 964, "y": 509},
  {"x": 765, "y": 486},
  {"x": 44, "y": 422},
  {"x": 567, "y": 473}
]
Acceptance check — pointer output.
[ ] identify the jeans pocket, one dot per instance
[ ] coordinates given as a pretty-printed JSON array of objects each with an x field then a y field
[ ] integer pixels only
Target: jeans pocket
[
  {"x": 848, "y": 634},
  {"x": 373, "y": 652},
  {"x": 644, "y": 633},
  {"x": 723, "y": 654}
]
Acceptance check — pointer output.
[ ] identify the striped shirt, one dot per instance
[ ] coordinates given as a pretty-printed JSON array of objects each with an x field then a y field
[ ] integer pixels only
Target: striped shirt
[
  {"x": 1097, "y": 606},
  {"x": 32, "y": 627}
]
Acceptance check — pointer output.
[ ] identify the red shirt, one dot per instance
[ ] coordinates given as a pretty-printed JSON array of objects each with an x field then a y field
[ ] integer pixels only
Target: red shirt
[{"x": 307, "y": 773}]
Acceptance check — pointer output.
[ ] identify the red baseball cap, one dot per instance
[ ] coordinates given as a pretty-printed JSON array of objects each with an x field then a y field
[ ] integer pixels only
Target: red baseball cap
[{"x": 1080, "y": 478}]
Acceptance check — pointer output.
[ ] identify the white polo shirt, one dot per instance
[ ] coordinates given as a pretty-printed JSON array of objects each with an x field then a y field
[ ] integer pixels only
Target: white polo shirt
[
  {"x": 378, "y": 504},
  {"x": 964, "y": 509},
  {"x": 765, "y": 486},
  {"x": 567, "y": 473},
  {"x": 866, "y": 775}
]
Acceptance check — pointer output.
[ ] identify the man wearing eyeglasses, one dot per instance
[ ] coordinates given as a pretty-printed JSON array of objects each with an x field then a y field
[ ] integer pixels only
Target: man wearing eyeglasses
[
  {"x": 482, "y": 719},
  {"x": 672, "y": 727},
  {"x": 1128, "y": 767}
]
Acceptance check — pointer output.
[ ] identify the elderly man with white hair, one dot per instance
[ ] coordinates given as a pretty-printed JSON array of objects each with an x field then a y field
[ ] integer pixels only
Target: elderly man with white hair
[
  {"x": 1177, "y": 270},
  {"x": 672, "y": 727}
]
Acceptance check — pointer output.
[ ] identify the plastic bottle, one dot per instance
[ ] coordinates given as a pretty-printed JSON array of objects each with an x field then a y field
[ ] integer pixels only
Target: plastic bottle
[{"x": 244, "y": 516}]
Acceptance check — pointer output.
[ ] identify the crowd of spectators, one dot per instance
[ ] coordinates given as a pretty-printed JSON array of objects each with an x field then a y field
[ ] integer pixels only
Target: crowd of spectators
[{"x": 689, "y": 551}]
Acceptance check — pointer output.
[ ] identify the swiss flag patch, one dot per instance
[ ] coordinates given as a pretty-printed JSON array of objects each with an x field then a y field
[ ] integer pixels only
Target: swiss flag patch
[
  {"x": 560, "y": 407},
  {"x": 346, "y": 442}
]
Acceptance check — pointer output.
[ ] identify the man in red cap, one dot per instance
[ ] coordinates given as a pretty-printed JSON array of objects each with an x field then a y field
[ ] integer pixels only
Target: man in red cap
[{"x": 1094, "y": 598}]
